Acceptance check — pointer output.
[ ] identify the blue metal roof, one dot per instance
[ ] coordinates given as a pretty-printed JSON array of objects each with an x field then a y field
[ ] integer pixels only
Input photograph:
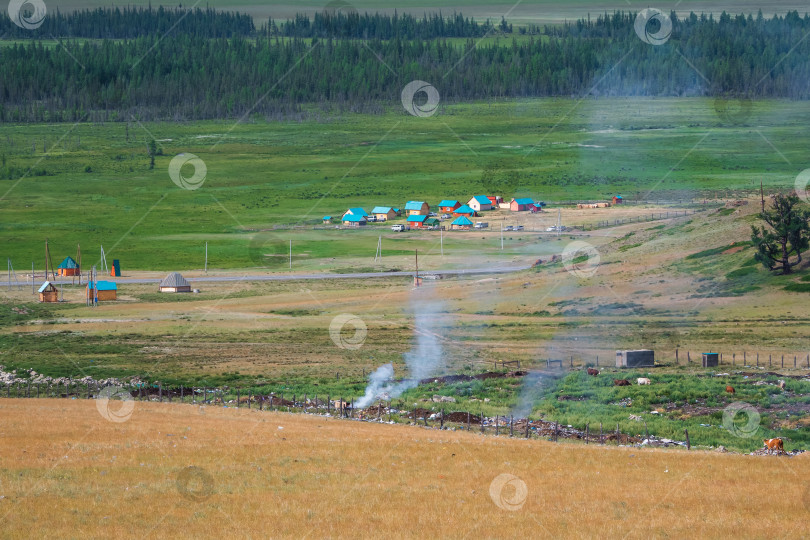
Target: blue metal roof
[
  {"x": 68, "y": 263},
  {"x": 448, "y": 203},
  {"x": 104, "y": 285},
  {"x": 414, "y": 205},
  {"x": 461, "y": 220},
  {"x": 482, "y": 199},
  {"x": 464, "y": 210},
  {"x": 357, "y": 212},
  {"x": 524, "y": 200},
  {"x": 417, "y": 218},
  {"x": 45, "y": 286},
  {"x": 327, "y": 218},
  {"x": 381, "y": 209},
  {"x": 352, "y": 218}
]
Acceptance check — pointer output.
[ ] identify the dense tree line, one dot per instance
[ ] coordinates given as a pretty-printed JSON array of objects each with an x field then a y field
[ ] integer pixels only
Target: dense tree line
[
  {"x": 367, "y": 26},
  {"x": 190, "y": 77},
  {"x": 130, "y": 22}
]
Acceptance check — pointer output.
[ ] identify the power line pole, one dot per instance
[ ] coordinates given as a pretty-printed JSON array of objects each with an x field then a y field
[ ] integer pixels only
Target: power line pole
[
  {"x": 206, "y": 257},
  {"x": 290, "y": 254}
]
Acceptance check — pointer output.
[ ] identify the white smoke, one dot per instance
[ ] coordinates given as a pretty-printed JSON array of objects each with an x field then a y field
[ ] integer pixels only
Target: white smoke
[
  {"x": 424, "y": 360},
  {"x": 379, "y": 384}
]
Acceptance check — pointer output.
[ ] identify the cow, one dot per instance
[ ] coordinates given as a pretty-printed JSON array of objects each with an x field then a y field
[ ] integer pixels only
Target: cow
[
  {"x": 730, "y": 389},
  {"x": 774, "y": 445},
  {"x": 621, "y": 382},
  {"x": 592, "y": 371},
  {"x": 643, "y": 380}
]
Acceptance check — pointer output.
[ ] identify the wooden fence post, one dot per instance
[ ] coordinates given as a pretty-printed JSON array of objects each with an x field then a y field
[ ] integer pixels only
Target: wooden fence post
[
  {"x": 618, "y": 436},
  {"x": 237, "y": 398},
  {"x": 160, "y": 392},
  {"x": 511, "y": 426},
  {"x": 601, "y": 437},
  {"x": 527, "y": 427},
  {"x": 468, "y": 420},
  {"x": 496, "y": 425},
  {"x": 688, "y": 444},
  {"x": 587, "y": 432}
]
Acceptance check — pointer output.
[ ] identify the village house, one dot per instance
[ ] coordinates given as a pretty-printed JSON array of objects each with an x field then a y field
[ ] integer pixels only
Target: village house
[
  {"x": 480, "y": 203},
  {"x": 417, "y": 208},
  {"x": 465, "y": 211},
  {"x": 352, "y": 220},
  {"x": 383, "y": 213},
  {"x": 617, "y": 199},
  {"x": 416, "y": 221},
  {"x": 521, "y": 205},
  {"x": 461, "y": 223},
  {"x": 355, "y": 212},
  {"x": 447, "y": 206}
]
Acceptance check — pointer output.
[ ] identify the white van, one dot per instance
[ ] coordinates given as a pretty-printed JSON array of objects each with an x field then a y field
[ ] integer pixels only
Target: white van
[{"x": 481, "y": 224}]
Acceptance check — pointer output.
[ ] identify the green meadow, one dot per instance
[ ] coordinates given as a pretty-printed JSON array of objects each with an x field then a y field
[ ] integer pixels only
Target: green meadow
[{"x": 92, "y": 184}]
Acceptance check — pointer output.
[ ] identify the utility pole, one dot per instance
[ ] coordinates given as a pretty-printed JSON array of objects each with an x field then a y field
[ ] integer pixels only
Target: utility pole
[
  {"x": 290, "y": 254},
  {"x": 206, "y": 257},
  {"x": 762, "y": 195},
  {"x": 441, "y": 240}
]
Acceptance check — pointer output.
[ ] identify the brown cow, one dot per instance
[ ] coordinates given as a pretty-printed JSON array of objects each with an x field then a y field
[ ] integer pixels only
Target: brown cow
[
  {"x": 730, "y": 389},
  {"x": 621, "y": 382},
  {"x": 592, "y": 371},
  {"x": 775, "y": 445}
]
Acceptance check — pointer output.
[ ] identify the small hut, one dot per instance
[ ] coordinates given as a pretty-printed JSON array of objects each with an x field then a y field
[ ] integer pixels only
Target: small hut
[
  {"x": 173, "y": 283},
  {"x": 104, "y": 290},
  {"x": 48, "y": 292},
  {"x": 68, "y": 267}
]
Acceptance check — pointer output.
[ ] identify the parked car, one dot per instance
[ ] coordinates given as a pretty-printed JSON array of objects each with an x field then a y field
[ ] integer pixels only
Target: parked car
[
  {"x": 431, "y": 214},
  {"x": 371, "y": 218},
  {"x": 554, "y": 228},
  {"x": 509, "y": 228},
  {"x": 519, "y": 228},
  {"x": 400, "y": 228},
  {"x": 481, "y": 224},
  {"x": 446, "y": 216}
]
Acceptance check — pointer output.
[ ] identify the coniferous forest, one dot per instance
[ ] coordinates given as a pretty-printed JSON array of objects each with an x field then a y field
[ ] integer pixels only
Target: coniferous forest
[{"x": 154, "y": 64}]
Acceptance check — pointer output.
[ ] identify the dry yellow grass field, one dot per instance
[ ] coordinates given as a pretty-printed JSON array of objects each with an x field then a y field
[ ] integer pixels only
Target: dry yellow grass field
[{"x": 67, "y": 472}]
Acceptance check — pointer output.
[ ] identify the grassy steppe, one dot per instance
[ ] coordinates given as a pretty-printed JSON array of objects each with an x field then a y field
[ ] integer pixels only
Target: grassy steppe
[
  {"x": 65, "y": 469},
  {"x": 87, "y": 184}
]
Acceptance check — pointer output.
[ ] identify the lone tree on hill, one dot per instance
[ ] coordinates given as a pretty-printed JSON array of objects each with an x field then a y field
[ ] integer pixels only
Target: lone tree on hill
[{"x": 780, "y": 245}]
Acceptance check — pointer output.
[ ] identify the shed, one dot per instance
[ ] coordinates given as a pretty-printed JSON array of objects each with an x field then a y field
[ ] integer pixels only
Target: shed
[
  {"x": 432, "y": 223},
  {"x": 68, "y": 267},
  {"x": 448, "y": 206},
  {"x": 521, "y": 205},
  {"x": 383, "y": 213},
  {"x": 174, "y": 282},
  {"x": 461, "y": 223},
  {"x": 464, "y": 211},
  {"x": 115, "y": 269},
  {"x": 617, "y": 199},
  {"x": 104, "y": 290},
  {"x": 416, "y": 221},
  {"x": 417, "y": 208},
  {"x": 711, "y": 359},
  {"x": 352, "y": 220},
  {"x": 637, "y": 358},
  {"x": 480, "y": 203},
  {"x": 48, "y": 292}
]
